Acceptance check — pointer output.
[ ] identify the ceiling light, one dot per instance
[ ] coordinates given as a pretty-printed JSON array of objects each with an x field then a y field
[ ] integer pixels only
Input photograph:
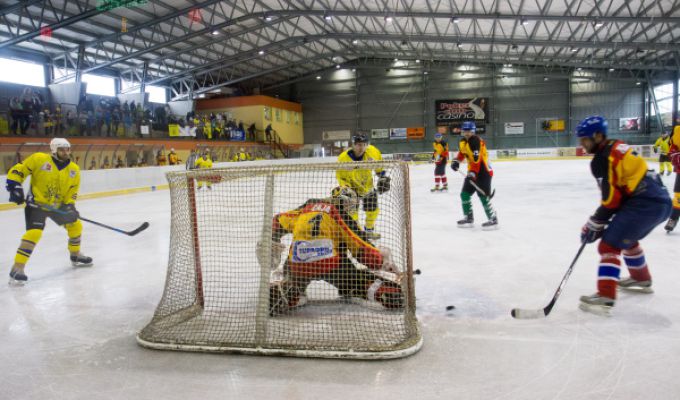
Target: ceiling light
[
  {"x": 507, "y": 65},
  {"x": 611, "y": 70},
  {"x": 417, "y": 61},
  {"x": 598, "y": 23},
  {"x": 337, "y": 66},
  {"x": 545, "y": 78},
  {"x": 354, "y": 69},
  {"x": 459, "y": 44},
  {"x": 388, "y": 18},
  {"x": 215, "y": 32},
  {"x": 523, "y": 21},
  {"x": 455, "y": 20},
  {"x": 425, "y": 72},
  {"x": 574, "y": 49},
  {"x": 268, "y": 18},
  {"x": 335, "y": 58},
  {"x": 579, "y": 69},
  {"x": 355, "y": 41},
  {"x": 638, "y": 83},
  {"x": 396, "y": 59},
  {"x": 327, "y": 17},
  {"x": 261, "y": 52},
  {"x": 318, "y": 77}
]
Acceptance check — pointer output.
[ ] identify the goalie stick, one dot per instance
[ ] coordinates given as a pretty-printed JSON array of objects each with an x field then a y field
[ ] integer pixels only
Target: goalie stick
[
  {"x": 58, "y": 211},
  {"x": 520, "y": 313}
]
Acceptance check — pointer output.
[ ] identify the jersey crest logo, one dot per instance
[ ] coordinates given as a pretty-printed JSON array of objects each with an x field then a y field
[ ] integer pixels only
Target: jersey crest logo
[
  {"x": 312, "y": 250},
  {"x": 72, "y": 173},
  {"x": 324, "y": 208},
  {"x": 46, "y": 167}
]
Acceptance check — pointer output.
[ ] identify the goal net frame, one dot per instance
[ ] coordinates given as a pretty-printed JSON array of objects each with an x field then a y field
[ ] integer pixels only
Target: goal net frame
[{"x": 189, "y": 270}]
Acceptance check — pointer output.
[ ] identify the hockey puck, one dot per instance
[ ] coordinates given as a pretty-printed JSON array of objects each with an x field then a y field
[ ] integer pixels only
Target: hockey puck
[
  {"x": 449, "y": 308},
  {"x": 416, "y": 272}
]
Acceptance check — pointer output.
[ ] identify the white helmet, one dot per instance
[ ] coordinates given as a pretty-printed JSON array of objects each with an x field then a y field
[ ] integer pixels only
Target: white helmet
[{"x": 58, "y": 143}]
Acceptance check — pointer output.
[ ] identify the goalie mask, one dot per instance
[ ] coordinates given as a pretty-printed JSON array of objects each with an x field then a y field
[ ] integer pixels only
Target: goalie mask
[{"x": 347, "y": 196}]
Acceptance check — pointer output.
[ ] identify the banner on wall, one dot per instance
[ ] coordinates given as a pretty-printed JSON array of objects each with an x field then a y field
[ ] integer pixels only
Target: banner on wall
[
  {"x": 514, "y": 128},
  {"x": 398, "y": 134},
  {"x": 630, "y": 124},
  {"x": 447, "y": 111},
  {"x": 415, "y": 133},
  {"x": 333, "y": 136},
  {"x": 175, "y": 130},
  {"x": 380, "y": 133}
]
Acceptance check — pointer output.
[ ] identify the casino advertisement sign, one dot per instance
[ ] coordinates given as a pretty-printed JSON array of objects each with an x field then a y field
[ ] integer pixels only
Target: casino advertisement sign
[{"x": 453, "y": 112}]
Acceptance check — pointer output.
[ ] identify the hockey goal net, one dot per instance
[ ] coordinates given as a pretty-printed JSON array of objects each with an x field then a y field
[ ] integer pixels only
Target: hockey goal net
[{"x": 219, "y": 294}]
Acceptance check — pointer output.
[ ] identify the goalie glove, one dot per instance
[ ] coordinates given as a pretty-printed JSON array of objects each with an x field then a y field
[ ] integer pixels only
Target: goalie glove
[
  {"x": 455, "y": 164},
  {"x": 388, "y": 264},
  {"x": 384, "y": 184},
  {"x": 275, "y": 250}
]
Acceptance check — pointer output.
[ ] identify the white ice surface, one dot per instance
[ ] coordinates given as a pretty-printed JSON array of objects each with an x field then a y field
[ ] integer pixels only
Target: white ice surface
[{"x": 69, "y": 334}]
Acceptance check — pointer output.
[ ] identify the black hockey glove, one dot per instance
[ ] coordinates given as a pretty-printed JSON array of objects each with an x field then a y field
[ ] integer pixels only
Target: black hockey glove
[
  {"x": 471, "y": 176},
  {"x": 592, "y": 231},
  {"x": 455, "y": 165},
  {"x": 655, "y": 149},
  {"x": 16, "y": 192},
  {"x": 67, "y": 214},
  {"x": 383, "y": 184}
]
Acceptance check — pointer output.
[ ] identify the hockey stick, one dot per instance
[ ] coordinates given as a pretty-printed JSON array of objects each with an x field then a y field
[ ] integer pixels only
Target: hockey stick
[
  {"x": 482, "y": 192},
  {"x": 533, "y": 314},
  {"x": 58, "y": 211}
]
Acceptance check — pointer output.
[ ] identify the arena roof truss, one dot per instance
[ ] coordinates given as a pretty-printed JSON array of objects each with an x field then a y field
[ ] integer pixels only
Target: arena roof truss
[{"x": 195, "y": 47}]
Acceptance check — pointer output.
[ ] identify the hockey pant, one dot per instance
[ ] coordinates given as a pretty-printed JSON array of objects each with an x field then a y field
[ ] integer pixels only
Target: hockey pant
[{"x": 484, "y": 182}]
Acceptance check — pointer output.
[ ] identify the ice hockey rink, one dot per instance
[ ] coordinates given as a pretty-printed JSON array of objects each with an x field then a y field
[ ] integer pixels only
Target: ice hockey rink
[{"x": 70, "y": 334}]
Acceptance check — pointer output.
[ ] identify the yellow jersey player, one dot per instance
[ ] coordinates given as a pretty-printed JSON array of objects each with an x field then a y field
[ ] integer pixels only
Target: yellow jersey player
[
  {"x": 204, "y": 162},
  {"x": 473, "y": 149},
  {"x": 662, "y": 146},
  {"x": 674, "y": 154},
  {"x": 634, "y": 201},
  {"x": 361, "y": 180},
  {"x": 55, "y": 181},
  {"x": 323, "y": 232},
  {"x": 441, "y": 158}
]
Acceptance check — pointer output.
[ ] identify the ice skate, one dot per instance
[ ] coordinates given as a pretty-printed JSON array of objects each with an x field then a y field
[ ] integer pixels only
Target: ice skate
[
  {"x": 631, "y": 285},
  {"x": 445, "y": 188},
  {"x": 467, "y": 222},
  {"x": 670, "y": 225},
  {"x": 371, "y": 234},
  {"x": 435, "y": 189},
  {"x": 597, "y": 304},
  {"x": 81, "y": 261},
  {"x": 490, "y": 225},
  {"x": 17, "y": 277}
]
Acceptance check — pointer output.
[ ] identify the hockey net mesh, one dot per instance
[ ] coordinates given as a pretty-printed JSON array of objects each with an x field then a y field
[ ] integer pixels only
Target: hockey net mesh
[{"x": 217, "y": 295}]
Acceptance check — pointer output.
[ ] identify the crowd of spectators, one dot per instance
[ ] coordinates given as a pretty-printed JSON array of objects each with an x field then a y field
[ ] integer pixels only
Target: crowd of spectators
[
  {"x": 30, "y": 114},
  {"x": 217, "y": 126}
]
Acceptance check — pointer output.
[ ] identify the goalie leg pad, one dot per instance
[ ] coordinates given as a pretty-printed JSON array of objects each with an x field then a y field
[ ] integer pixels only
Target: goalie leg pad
[
  {"x": 387, "y": 293},
  {"x": 283, "y": 297}
]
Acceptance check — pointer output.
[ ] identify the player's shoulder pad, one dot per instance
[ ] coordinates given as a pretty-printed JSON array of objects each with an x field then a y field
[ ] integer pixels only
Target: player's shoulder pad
[
  {"x": 344, "y": 156},
  {"x": 373, "y": 153}
]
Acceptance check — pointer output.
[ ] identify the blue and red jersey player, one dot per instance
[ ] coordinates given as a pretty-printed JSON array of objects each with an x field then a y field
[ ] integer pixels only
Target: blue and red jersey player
[{"x": 634, "y": 201}]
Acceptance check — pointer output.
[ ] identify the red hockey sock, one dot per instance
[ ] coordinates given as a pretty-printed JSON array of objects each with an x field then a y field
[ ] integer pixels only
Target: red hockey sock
[
  {"x": 609, "y": 270},
  {"x": 636, "y": 263}
]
